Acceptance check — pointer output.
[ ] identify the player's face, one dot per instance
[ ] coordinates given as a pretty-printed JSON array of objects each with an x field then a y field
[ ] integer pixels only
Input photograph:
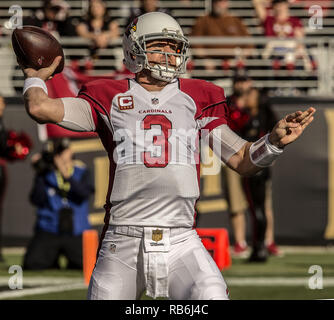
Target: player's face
[{"x": 161, "y": 46}]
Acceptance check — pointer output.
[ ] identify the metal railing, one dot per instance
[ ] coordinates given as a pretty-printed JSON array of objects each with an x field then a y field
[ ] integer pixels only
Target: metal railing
[
  {"x": 270, "y": 62},
  {"x": 185, "y": 12}
]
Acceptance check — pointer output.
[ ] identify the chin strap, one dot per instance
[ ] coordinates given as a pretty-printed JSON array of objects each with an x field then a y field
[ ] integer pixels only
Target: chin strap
[{"x": 159, "y": 72}]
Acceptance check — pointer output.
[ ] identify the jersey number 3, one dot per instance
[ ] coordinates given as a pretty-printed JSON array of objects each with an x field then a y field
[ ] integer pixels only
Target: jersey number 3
[{"x": 158, "y": 140}]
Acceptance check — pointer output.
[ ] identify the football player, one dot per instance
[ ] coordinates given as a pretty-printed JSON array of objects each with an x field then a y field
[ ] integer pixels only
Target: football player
[{"x": 149, "y": 127}]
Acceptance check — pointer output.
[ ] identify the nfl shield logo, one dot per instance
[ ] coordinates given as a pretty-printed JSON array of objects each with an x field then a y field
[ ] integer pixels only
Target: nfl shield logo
[
  {"x": 113, "y": 248},
  {"x": 157, "y": 235},
  {"x": 155, "y": 101}
]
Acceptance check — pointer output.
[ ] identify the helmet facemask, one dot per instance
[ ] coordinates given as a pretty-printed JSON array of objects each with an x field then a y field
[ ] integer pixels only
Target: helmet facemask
[{"x": 162, "y": 71}]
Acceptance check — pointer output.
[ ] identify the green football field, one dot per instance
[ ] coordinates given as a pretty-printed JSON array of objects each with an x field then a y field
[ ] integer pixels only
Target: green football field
[{"x": 301, "y": 274}]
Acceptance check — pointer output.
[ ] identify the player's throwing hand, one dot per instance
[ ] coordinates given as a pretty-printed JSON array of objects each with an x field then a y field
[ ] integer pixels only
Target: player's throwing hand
[
  {"x": 291, "y": 127},
  {"x": 43, "y": 73}
]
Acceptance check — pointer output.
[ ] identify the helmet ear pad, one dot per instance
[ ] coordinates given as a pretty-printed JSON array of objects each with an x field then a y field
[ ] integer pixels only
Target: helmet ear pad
[{"x": 133, "y": 60}]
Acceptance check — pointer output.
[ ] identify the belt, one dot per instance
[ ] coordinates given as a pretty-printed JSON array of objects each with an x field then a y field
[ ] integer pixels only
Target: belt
[{"x": 137, "y": 231}]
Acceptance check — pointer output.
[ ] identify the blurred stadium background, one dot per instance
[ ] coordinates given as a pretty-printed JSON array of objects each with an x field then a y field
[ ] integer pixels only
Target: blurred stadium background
[{"x": 303, "y": 178}]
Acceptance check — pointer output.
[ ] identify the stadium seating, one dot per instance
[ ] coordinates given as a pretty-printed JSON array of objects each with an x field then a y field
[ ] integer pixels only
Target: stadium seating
[
  {"x": 263, "y": 70},
  {"x": 185, "y": 13}
]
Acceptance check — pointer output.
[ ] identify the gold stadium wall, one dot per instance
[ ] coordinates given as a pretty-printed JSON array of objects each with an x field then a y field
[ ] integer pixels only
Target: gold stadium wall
[{"x": 303, "y": 182}]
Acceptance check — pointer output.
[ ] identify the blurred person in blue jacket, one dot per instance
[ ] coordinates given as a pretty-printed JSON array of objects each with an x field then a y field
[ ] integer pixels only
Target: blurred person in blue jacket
[{"x": 60, "y": 192}]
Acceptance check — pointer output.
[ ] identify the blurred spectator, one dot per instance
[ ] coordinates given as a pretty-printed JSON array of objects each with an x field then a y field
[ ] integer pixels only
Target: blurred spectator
[
  {"x": 237, "y": 102},
  {"x": 221, "y": 23},
  {"x": 251, "y": 117},
  {"x": 236, "y": 197},
  {"x": 145, "y": 7},
  {"x": 98, "y": 26},
  {"x": 257, "y": 188},
  {"x": 3, "y": 167},
  {"x": 279, "y": 23},
  {"x": 53, "y": 17},
  {"x": 60, "y": 192}
]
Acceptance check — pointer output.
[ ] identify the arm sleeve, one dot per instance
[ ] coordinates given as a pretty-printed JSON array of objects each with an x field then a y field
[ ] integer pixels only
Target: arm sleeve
[
  {"x": 225, "y": 142},
  {"x": 77, "y": 115}
]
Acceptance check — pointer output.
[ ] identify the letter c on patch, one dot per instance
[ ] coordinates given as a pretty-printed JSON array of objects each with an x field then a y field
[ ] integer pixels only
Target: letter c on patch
[{"x": 125, "y": 102}]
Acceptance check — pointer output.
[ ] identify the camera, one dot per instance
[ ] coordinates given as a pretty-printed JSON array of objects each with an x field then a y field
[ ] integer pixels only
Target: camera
[{"x": 50, "y": 150}]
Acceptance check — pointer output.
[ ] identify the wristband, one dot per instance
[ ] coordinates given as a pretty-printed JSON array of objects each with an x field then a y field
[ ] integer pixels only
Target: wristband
[
  {"x": 273, "y": 148},
  {"x": 34, "y": 82},
  {"x": 262, "y": 153}
]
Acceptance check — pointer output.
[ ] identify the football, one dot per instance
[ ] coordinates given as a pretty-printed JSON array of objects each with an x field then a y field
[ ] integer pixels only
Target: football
[{"x": 36, "y": 48}]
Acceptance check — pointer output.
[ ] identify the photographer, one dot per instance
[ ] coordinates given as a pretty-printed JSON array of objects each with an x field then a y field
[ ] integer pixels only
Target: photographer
[{"x": 60, "y": 192}]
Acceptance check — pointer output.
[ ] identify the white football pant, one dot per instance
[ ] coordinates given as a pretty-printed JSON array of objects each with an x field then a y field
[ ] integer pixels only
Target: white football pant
[{"x": 124, "y": 270}]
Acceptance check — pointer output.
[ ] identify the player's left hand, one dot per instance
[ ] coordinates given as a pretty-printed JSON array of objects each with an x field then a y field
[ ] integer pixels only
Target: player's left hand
[{"x": 291, "y": 127}]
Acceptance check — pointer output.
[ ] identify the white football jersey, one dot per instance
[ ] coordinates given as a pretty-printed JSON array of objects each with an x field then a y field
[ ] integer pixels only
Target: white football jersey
[{"x": 152, "y": 140}]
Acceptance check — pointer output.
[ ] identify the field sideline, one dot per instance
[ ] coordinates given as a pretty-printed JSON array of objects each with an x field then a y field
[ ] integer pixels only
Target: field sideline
[{"x": 285, "y": 278}]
